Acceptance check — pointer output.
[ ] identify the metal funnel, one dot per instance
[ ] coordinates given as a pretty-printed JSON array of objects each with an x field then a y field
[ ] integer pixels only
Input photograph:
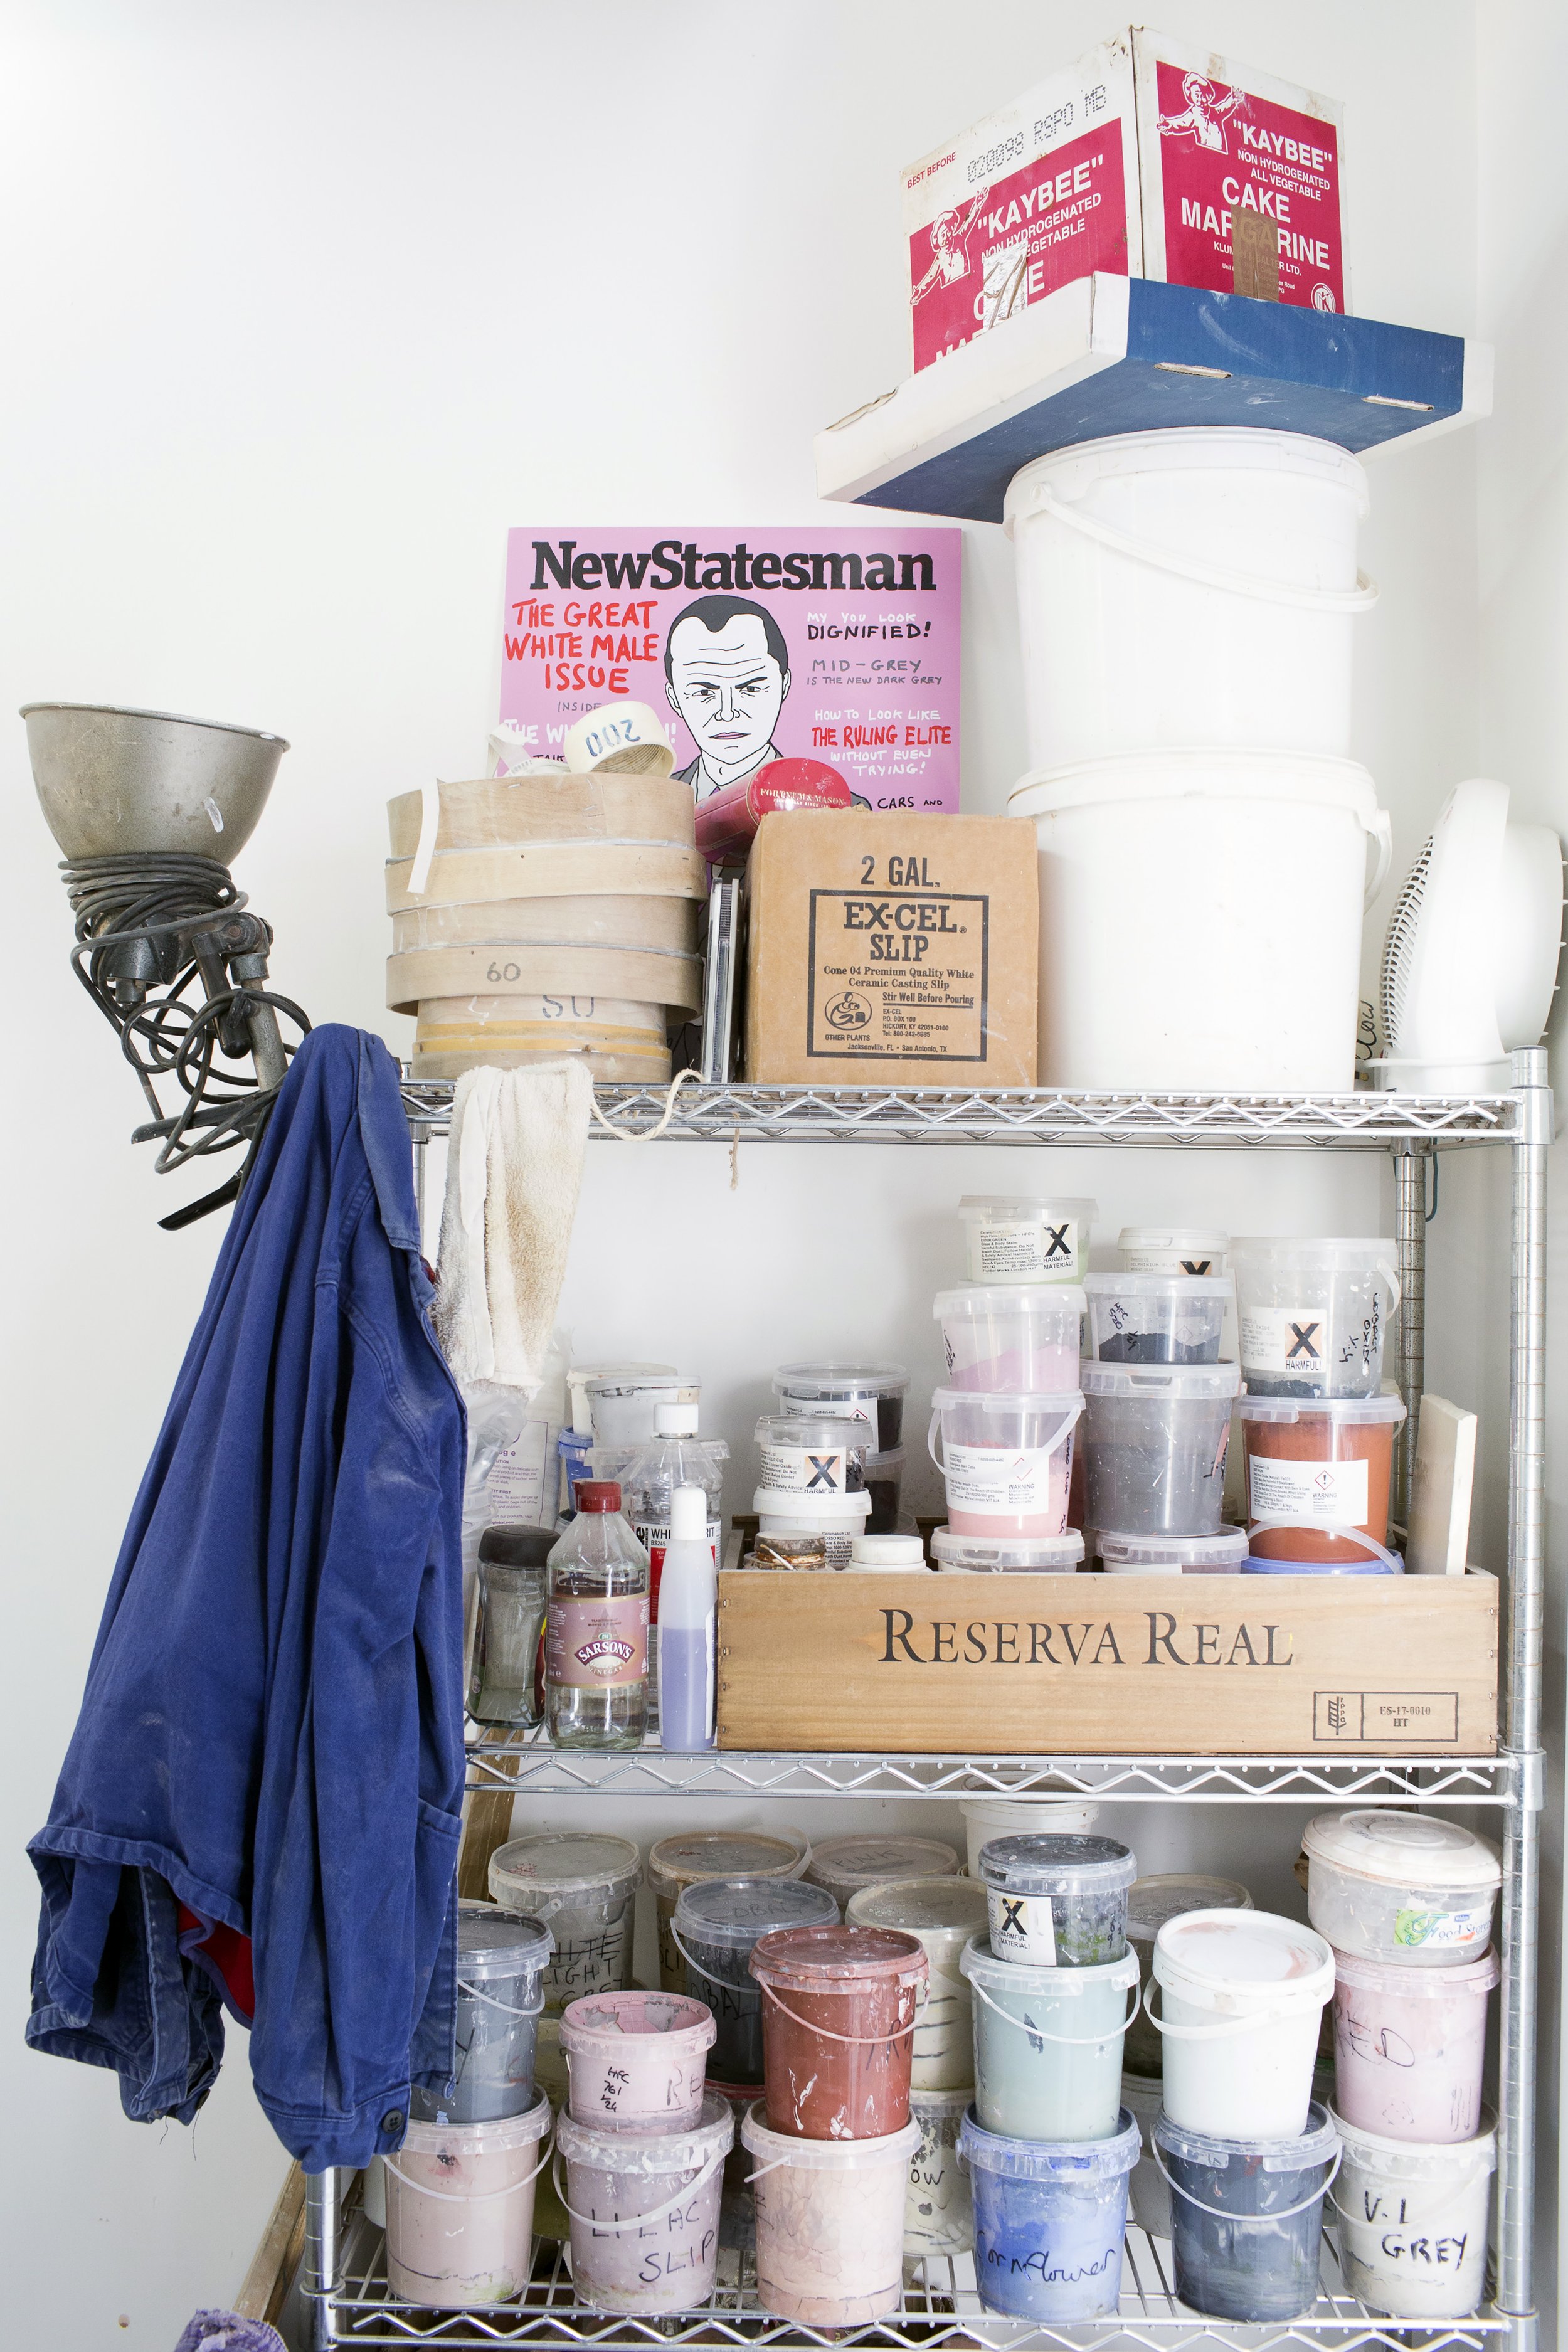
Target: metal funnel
[{"x": 116, "y": 780}]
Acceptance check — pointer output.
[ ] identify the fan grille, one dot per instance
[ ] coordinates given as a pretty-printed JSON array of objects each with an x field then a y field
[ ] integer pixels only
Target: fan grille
[{"x": 1398, "y": 945}]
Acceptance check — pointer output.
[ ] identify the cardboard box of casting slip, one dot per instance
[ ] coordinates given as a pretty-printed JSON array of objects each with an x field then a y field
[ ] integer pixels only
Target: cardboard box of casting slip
[
  {"x": 892, "y": 950},
  {"x": 1138, "y": 160}
]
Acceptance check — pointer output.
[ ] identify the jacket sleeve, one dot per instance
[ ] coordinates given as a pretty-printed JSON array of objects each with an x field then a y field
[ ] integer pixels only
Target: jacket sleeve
[{"x": 353, "y": 1915}]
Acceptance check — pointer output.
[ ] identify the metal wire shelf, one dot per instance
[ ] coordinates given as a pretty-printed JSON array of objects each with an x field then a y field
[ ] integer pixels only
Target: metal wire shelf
[
  {"x": 891, "y": 1114},
  {"x": 525, "y": 1764},
  {"x": 940, "y": 2308}
]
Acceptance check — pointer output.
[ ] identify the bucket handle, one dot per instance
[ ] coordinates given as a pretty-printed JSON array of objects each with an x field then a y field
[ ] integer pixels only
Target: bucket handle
[
  {"x": 485, "y": 2196},
  {"x": 1061, "y": 1438},
  {"x": 1221, "y": 2213},
  {"x": 490, "y": 2001},
  {"x": 1359, "y": 599},
  {"x": 1344, "y": 1534},
  {"x": 1226, "y": 2029},
  {"x": 855, "y": 2040},
  {"x": 1455, "y": 2188},
  {"x": 1382, "y": 832},
  {"x": 1067, "y": 2041},
  {"x": 699, "y": 2179},
  {"x": 701, "y": 1971}
]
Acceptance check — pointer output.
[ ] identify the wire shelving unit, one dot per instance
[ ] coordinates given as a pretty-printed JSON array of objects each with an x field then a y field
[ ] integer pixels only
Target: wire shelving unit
[{"x": 345, "y": 2274}]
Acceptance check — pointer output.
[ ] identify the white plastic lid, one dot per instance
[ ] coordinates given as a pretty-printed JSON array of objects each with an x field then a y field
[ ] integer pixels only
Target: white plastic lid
[
  {"x": 887, "y": 1551},
  {"x": 782, "y": 1514},
  {"x": 1187, "y": 1241},
  {"x": 1226, "y": 1549},
  {"x": 1063, "y": 1401},
  {"x": 1179, "y": 1380},
  {"x": 1404, "y": 1849},
  {"x": 866, "y": 1860},
  {"x": 1180, "y": 773},
  {"x": 1071, "y": 471},
  {"x": 1017, "y": 1208},
  {"x": 1222, "y": 1952},
  {"x": 1044, "y": 1554},
  {"x": 1355, "y": 1410},
  {"x": 1335, "y": 1249},
  {"x": 675, "y": 1420},
  {"x": 687, "y": 1515},
  {"x": 817, "y": 1382},
  {"x": 1065, "y": 1299},
  {"x": 1158, "y": 1286},
  {"x": 837, "y": 1431}
]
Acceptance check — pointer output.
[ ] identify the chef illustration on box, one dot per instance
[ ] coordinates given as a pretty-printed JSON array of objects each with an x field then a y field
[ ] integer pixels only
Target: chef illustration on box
[
  {"x": 949, "y": 257},
  {"x": 1205, "y": 116}
]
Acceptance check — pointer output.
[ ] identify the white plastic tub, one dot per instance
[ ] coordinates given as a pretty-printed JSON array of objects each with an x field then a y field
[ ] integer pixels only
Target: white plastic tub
[
  {"x": 1012, "y": 1338},
  {"x": 1241, "y": 1995},
  {"x": 459, "y": 2208},
  {"x": 942, "y": 1914},
  {"x": 939, "y": 2212},
  {"x": 1405, "y": 1887},
  {"x": 1226, "y": 558},
  {"x": 830, "y": 2222},
  {"x": 1006, "y": 1460},
  {"x": 1157, "y": 1318},
  {"x": 1026, "y": 1237},
  {"x": 1007, "y": 1555},
  {"x": 1154, "y": 1441},
  {"x": 1312, "y": 1315},
  {"x": 1221, "y": 1554},
  {"x": 1173, "y": 1249},
  {"x": 985, "y": 1818},
  {"x": 1201, "y": 921},
  {"x": 837, "y": 1519},
  {"x": 1413, "y": 2221}
]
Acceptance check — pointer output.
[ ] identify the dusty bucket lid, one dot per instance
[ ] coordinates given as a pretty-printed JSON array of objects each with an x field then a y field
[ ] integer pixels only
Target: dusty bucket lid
[
  {"x": 493, "y": 1943},
  {"x": 1302, "y": 2152},
  {"x": 1478, "y": 1976},
  {"x": 538, "y": 1876},
  {"x": 1226, "y": 1549},
  {"x": 508, "y": 2132},
  {"x": 867, "y": 1861},
  {"x": 1403, "y": 2159},
  {"x": 1353, "y": 1412},
  {"x": 1037, "y": 1863},
  {"x": 811, "y": 1958},
  {"x": 1052, "y": 2159},
  {"x": 1177, "y": 1381},
  {"x": 691, "y": 1854},
  {"x": 988, "y": 1555},
  {"x": 1404, "y": 1849},
  {"x": 1168, "y": 1894},
  {"x": 1042, "y": 1978},
  {"x": 891, "y": 2148},
  {"x": 642, "y": 2153},
  {"x": 1218, "y": 1959},
  {"x": 911, "y": 1905},
  {"x": 734, "y": 1912}
]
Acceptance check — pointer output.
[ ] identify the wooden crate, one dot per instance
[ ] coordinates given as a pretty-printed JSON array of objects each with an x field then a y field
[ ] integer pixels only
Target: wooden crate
[{"x": 1245, "y": 1665}]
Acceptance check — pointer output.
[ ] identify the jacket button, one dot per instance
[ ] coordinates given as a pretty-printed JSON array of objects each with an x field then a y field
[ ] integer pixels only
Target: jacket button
[{"x": 392, "y": 2121}]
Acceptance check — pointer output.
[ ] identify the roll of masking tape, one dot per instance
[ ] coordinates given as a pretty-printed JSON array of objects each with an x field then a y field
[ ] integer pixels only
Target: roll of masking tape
[{"x": 623, "y": 738}]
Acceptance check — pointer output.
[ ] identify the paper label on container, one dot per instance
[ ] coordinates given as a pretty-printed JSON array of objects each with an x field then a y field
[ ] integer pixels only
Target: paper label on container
[
  {"x": 1333, "y": 1492},
  {"x": 1166, "y": 1261},
  {"x": 1438, "y": 1929},
  {"x": 991, "y": 1479},
  {"x": 597, "y": 1645},
  {"x": 1291, "y": 1341},
  {"x": 1046, "y": 1252},
  {"x": 898, "y": 974},
  {"x": 520, "y": 1490},
  {"x": 1224, "y": 150},
  {"x": 798, "y": 1470},
  {"x": 1022, "y": 1928}
]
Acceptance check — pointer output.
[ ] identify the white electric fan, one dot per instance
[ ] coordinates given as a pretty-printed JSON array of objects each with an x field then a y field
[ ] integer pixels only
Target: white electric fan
[{"x": 1469, "y": 964}]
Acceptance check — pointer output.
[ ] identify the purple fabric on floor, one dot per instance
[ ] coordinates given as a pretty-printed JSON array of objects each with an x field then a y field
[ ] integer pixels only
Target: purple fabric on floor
[{"x": 221, "y": 2331}]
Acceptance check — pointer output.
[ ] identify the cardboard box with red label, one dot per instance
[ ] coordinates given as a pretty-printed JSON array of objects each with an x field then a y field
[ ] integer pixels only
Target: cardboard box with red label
[{"x": 1136, "y": 161}]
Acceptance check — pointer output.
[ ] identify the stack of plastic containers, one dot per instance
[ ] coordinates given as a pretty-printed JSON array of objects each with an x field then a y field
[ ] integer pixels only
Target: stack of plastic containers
[
  {"x": 1047, "y": 2143},
  {"x": 690, "y": 1855},
  {"x": 1245, "y": 2155},
  {"x": 1317, "y": 1425},
  {"x": 1151, "y": 1902},
  {"x": 871, "y": 1394},
  {"x": 1010, "y": 1403},
  {"x": 1406, "y": 1902},
  {"x": 832, "y": 2158},
  {"x": 1158, "y": 1399}
]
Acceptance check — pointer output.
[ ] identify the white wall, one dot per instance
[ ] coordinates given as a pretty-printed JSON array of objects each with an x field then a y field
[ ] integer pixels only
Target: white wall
[{"x": 307, "y": 303}]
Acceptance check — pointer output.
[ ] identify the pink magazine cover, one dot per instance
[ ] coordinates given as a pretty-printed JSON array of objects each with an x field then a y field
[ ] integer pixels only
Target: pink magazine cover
[{"x": 840, "y": 646}]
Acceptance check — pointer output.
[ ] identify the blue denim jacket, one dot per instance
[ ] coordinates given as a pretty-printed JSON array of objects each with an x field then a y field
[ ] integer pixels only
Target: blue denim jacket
[{"x": 271, "y": 1734}]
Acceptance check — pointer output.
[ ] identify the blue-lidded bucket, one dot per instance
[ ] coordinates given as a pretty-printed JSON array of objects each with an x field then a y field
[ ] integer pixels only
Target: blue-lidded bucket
[
  {"x": 1247, "y": 2217},
  {"x": 1050, "y": 2218},
  {"x": 1047, "y": 2045}
]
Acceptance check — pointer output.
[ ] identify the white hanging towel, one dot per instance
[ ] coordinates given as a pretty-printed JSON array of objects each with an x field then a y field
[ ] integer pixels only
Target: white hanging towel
[{"x": 514, "y": 1169}]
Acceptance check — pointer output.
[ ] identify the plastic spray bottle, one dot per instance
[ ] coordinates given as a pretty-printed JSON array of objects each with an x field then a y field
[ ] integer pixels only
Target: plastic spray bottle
[{"x": 688, "y": 1620}]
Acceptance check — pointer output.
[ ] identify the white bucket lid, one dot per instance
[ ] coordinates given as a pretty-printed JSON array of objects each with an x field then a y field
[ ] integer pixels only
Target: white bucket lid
[
  {"x": 1045, "y": 1555},
  {"x": 1357, "y": 1411},
  {"x": 1335, "y": 1250},
  {"x": 1199, "y": 1241},
  {"x": 556, "y": 1869},
  {"x": 1405, "y": 1850},
  {"x": 1069, "y": 1403},
  {"x": 1019, "y": 1208},
  {"x": 781, "y": 1513},
  {"x": 922, "y": 1904},
  {"x": 826, "y": 2155},
  {"x": 1182, "y": 773},
  {"x": 983, "y": 1298},
  {"x": 1236, "y": 1960},
  {"x": 1177, "y": 1380},
  {"x": 864, "y": 1859},
  {"x": 1403, "y": 2159},
  {"x": 1159, "y": 1285},
  {"x": 1209, "y": 448},
  {"x": 1125, "y": 1555},
  {"x": 506, "y": 2133},
  {"x": 888, "y": 1552}
]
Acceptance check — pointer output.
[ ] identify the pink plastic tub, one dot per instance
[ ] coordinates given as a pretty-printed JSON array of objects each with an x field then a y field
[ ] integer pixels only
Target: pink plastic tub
[
  {"x": 1014, "y": 1339},
  {"x": 636, "y": 2060},
  {"x": 1007, "y": 1460},
  {"x": 1409, "y": 2044}
]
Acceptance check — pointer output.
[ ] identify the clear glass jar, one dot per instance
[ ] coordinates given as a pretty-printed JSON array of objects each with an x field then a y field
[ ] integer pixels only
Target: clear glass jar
[
  {"x": 511, "y": 1619},
  {"x": 596, "y": 1642}
]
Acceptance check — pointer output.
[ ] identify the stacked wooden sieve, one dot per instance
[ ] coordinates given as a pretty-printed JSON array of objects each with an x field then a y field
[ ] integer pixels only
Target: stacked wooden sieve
[{"x": 558, "y": 914}]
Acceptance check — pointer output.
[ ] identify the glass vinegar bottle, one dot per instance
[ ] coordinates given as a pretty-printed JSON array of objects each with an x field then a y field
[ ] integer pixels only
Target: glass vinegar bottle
[{"x": 596, "y": 1644}]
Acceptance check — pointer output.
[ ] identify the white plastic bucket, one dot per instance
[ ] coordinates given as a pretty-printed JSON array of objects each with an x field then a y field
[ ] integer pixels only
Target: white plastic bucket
[
  {"x": 1413, "y": 2221},
  {"x": 985, "y": 1818},
  {"x": 1013, "y": 1238},
  {"x": 1173, "y": 1249},
  {"x": 1006, "y": 1460},
  {"x": 636, "y": 2061},
  {"x": 1241, "y": 1997},
  {"x": 1047, "y": 2045},
  {"x": 459, "y": 2209},
  {"x": 942, "y": 1913},
  {"x": 1312, "y": 1315},
  {"x": 645, "y": 2211},
  {"x": 1412, "y": 1888},
  {"x": 830, "y": 2222},
  {"x": 1187, "y": 587},
  {"x": 1410, "y": 2046},
  {"x": 1011, "y": 1337},
  {"x": 1201, "y": 921},
  {"x": 939, "y": 2211}
]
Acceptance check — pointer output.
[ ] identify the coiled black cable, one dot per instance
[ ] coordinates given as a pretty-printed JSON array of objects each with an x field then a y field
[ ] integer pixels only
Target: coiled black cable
[{"x": 145, "y": 924}]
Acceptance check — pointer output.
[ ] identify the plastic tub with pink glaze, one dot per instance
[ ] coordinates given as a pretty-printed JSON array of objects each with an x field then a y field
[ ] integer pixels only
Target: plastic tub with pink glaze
[
  {"x": 459, "y": 2209},
  {"x": 643, "y": 2211},
  {"x": 636, "y": 2060},
  {"x": 1007, "y": 1460},
  {"x": 830, "y": 2222},
  {"x": 1409, "y": 2046},
  {"x": 1013, "y": 1339}
]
